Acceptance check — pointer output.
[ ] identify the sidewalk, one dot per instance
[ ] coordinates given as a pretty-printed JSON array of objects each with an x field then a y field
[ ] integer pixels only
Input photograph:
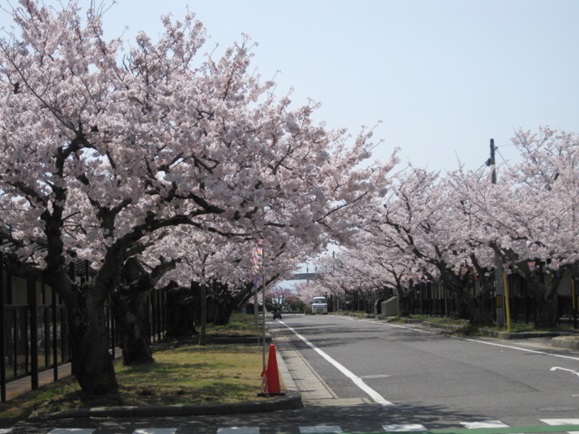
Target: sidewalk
[{"x": 23, "y": 385}]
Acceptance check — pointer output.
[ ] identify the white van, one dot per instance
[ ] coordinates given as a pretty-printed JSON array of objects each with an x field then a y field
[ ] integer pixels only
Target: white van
[{"x": 319, "y": 305}]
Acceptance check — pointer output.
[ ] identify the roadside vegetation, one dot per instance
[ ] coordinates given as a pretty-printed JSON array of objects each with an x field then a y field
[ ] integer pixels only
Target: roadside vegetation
[
  {"x": 183, "y": 373},
  {"x": 465, "y": 327}
]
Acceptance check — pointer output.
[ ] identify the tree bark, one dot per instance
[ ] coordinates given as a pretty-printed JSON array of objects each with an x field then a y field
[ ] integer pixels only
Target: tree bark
[
  {"x": 130, "y": 303},
  {"x": 547, "y": 312},
  {"x": 203, "y": 319},
  {"x": 181, "y": 309},
  {"x": 223, "y": 301},
  {"x": 92, "y": 364},
  {"x": 91, "y": 361},
  {"x": 546, "y": 298},
  {"x": 130, "y": 312}
]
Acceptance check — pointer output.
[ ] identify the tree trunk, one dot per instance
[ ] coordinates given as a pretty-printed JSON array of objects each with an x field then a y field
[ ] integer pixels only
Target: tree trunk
[
  {"x": 130, "y": 302},
  {"x": 544, "y": 289},
  {"x": 547, "y": 299},
  {"x": 547, "y": 312},
  {"x": 91, "y": 361},
  {"x": 181, "y": 309},
  {"x": 460, "y": 285},
  {"x": 221, "y": 313},
  {"x": 92, "y": 364},
  {"x": 130, "y": 312},
  {"x": 482, "y": 314},
  {"x": 203, "y": 305}
]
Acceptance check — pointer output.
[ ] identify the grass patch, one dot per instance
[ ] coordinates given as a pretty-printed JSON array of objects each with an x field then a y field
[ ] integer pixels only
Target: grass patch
[
  {"x": 447, "y": 321},
  {"x": 181, "y": 374},
  {"x": 516, "y": 328},
  {"x": 468, "y": 329},
  {"x": 523, "y": 327},
  {"x": 354, "y": 313},
  {"x": 431, "y": 319},
  {"x": 240, "y": 325}
]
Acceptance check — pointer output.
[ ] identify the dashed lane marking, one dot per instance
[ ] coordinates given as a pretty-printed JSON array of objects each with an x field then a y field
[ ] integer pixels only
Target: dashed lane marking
[
  {"x": 411, "y": 427},
  {"x": 239, "y": 430},
  {"x": 559, "y": 422},
  {"x": 155, "y": 431},
  {"x": 72, "y": 430},
  {"x": 320, "y": 429},
  {"x": 485, "y": 424}
]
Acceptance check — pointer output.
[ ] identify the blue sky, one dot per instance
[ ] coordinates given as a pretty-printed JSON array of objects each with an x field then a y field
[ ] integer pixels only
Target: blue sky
[{"x": 442, "y": 76}]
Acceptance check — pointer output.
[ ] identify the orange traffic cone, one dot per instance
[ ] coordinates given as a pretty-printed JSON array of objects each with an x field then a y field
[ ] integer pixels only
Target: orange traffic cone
[{"x": 270, "y": 375}]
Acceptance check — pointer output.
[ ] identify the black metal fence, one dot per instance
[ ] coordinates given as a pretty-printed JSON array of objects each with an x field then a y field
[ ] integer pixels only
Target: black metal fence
[
  {"x": 523, "y": 309},
  {"x": 34, "y": 329},
  {"x": 430, "y": 298}
]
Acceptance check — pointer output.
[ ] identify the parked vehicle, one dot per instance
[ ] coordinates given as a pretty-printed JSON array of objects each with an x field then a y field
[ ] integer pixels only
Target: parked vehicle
[{"x": 319, "y": 305}]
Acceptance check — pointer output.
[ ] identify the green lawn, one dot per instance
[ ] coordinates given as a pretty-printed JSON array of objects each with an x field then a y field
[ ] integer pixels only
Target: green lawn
[{"x": 183, "y": 373}]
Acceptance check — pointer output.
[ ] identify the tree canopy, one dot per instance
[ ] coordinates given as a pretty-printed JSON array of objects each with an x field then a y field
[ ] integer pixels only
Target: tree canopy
[{"x": 109, "y": 147}]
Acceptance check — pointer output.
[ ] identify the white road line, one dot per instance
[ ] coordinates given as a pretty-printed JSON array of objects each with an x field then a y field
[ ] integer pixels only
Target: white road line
[
  {"x": 555, "y": 422},
  {"x": 155, "y": 431},
  {"x": 357, "y": 380},
  {"x": 494, "y": 344},
  {"x": 411, "y": 427},
  {"x": 239, "y": 430},
  {"x": 485, "y": 424},
  {"x": 72, "y": 430},
  {"x": 320, "y": 429},
  {"x": 555, "y": 368},
  {"x": 544, "y": 353}
]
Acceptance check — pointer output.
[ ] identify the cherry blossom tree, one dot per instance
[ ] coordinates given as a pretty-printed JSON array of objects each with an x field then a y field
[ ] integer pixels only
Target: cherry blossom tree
[
  {"x": 357, "y": 277},
  {"x": 420, "y": 223},
  {"x": 281, "y": 298},
  {"x": 548, "y": 175},
  {"x": 102, "y": 149},
  {"x": 306, "y": 290},
  {"x": 421, "y": 231},
  {"x": 530, "y": 213},
  {"x": 450, "y": 229},
  {"x": 129, "y": 303},
  {"x": 389, "y": 271}
]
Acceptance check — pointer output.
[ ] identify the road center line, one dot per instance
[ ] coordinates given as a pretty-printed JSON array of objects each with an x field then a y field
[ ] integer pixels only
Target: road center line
[{"x": 357, "y": 380}]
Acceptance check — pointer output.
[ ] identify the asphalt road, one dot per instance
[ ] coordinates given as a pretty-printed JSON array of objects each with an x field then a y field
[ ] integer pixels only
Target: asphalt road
[
  {"x": 371, "y": 376},
  {"x": 426, "y": 376}
]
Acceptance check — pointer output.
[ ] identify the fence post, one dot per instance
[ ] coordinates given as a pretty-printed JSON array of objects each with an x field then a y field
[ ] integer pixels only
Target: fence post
[
  {"x": 574, "y": 301},
  {"x": 32, "y": 308},
  {"x": 2, "y": 333},
  {"x": 54, "y": 334}
]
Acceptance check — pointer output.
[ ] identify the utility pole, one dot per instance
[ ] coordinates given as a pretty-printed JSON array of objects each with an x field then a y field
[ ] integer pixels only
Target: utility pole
[
  {"x": 492, "y": 162},
  {"x": 499, "y": 282}
]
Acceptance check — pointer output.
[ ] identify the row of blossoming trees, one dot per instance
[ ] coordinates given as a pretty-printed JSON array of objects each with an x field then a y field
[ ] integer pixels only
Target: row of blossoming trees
[
  {"x": 452, "y": 228},
  {"x": 158, "y": 163},
  {"x": 163, "y": 166}
]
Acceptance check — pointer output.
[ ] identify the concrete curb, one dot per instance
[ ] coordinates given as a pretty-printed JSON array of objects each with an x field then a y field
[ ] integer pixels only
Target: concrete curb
[
  {"x": 571, "y": 342},
  {"x": 290, "y": 401},
  {"x": 559, "y": 339}
]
